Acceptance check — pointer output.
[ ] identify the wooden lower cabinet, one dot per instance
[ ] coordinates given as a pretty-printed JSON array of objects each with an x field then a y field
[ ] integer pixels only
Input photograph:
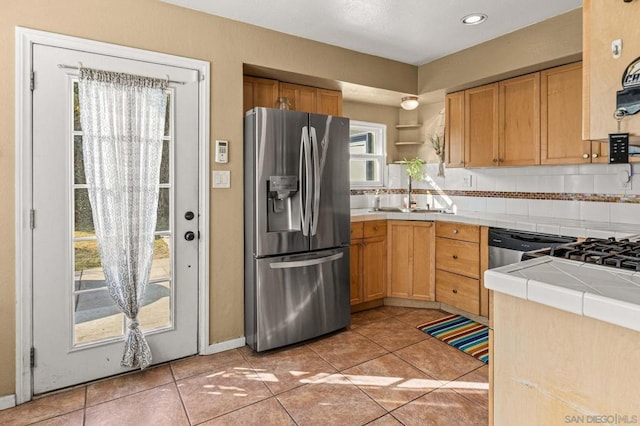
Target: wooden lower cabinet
[
  {"x": 411, "y": 260},
  {"x": 368, "y": 257},
  {"x": 458, "y": 291},
  {"x": 460, "y": 263},
  {"x": 374, "y": 253}
]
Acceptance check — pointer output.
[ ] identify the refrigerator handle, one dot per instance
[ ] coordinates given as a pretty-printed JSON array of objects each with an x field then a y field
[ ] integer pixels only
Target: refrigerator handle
[
  {"x": 315, "y": 211},
  {"x": 304, "y": 263},
  {"x": 305, "y": 165}
]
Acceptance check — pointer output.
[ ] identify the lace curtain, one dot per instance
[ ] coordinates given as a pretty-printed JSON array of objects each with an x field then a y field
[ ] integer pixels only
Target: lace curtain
[{"x": 122, "y": 119}]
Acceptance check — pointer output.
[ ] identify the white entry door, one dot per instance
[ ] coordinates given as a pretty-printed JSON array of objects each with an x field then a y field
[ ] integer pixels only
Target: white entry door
[{"x": 78, "y": 332}]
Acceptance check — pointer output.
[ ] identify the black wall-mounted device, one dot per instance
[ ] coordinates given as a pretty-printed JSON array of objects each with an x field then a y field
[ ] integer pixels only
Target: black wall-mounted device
[{"x": 619, "y": 148}]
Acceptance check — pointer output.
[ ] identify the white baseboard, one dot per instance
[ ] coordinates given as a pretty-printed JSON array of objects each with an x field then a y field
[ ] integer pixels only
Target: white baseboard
[
  {"x": 224, "y": 346},
  {"x": 7, "y": 401}
]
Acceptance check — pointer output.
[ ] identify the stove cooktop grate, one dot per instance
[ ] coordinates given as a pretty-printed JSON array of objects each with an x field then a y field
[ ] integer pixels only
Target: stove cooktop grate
[{"x": 622, "y": 254}]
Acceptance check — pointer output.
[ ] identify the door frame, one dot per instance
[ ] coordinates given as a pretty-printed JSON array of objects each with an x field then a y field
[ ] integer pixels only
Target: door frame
[{"x": 24, "y": 39}]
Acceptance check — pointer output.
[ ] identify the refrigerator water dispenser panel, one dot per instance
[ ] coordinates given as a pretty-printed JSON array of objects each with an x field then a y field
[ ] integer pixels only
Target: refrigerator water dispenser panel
[{"x": 283, "y": 214}]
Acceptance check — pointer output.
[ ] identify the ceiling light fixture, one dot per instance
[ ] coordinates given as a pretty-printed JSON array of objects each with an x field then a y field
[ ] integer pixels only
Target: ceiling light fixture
[
  {"x": 474, "y": 19},
  {"x": 409, "y": 102}
]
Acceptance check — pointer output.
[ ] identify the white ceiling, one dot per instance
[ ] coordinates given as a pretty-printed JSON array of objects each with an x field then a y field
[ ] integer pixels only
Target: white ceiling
[{"x": 409, "y": 31}]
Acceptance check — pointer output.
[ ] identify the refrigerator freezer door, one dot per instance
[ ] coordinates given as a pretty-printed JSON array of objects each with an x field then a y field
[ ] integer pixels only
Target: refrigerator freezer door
[
  {"x": 298, "y": 297},
  {"x": 276, "y": 182},
  {"x": 331, "y": 216}
]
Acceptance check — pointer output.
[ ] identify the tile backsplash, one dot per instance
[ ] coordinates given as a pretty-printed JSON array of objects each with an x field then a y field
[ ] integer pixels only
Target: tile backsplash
[{"x": 591, "y": 192}]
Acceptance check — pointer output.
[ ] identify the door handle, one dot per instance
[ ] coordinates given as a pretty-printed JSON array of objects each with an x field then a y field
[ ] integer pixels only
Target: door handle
[
  {"x": 189, "y": 236},
  {"x": 315, "y": 210},
  {"x": 308, "y": 262}
]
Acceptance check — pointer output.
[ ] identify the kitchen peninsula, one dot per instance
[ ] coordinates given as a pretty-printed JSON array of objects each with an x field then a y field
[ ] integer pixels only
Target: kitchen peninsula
[{"x": 559, "y": 354}]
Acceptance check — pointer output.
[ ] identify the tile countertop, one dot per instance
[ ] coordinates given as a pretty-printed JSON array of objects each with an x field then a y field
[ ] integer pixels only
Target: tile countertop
[
  {"x": 545, "y": 225},
  {"x": 604, "y": 293}
]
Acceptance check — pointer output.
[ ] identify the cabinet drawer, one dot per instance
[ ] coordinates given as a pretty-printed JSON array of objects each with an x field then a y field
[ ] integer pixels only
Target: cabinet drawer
[
  {"x": 458, "y": 231},
  {"x": 460, "y": 257},
  {"x": 458, "y": 291},
  {"x": 375, "y": 228},
  {"x": 357, "y": 230}
]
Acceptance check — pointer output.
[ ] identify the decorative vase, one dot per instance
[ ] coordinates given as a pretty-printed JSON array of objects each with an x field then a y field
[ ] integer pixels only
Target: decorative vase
[{"x": 441, "y": 168}]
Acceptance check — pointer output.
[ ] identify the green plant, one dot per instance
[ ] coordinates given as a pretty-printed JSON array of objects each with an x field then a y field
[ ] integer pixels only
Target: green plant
[{"x": 414, "y": 168}]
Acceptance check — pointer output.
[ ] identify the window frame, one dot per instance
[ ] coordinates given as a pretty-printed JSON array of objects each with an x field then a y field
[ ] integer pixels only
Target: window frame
[{"x": 379, "y": 156}]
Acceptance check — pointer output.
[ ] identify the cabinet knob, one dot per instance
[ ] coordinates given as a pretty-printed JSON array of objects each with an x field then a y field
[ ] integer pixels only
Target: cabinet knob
[
  {"x": 455, "y": 231},
  {"x": 495, "y": 160},
  {"x": 455, "y": 257},
  {"x": 594, "y": 155},
  {"x": 455, "y": 291},
  {"x": 585, "y": 155},
  {"x": 461, "y": 162}
]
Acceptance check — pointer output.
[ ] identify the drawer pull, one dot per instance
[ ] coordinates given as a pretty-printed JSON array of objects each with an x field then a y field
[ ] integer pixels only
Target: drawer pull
[
  {"x": 455, "y": 231},
  {"x": 455, "y": 291},
  {"x": 455, "y": 256}
]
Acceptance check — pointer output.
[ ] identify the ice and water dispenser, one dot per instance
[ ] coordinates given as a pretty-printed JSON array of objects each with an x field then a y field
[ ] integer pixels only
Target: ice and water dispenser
[{"x": 283, "y": 206}]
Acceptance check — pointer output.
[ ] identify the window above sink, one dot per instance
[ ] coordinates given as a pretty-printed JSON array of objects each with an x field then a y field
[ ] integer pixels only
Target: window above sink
[{"x": 367, "y": 146}]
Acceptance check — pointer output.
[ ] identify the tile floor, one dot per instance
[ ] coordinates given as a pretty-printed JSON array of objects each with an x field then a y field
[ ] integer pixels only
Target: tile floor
[{"x": 381, "y": 371}]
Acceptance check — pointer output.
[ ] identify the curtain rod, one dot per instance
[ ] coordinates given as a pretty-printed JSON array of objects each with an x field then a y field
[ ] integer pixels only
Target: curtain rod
[{"x": 71, "y": 67}]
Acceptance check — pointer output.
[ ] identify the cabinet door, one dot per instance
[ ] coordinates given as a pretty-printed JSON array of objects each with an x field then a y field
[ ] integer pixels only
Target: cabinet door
[
  {"x": 424, "y": 269},
  {"x": 604, "y": 22},
  {"x": 264, "y": 92},
  {"x": 355, "y": 265},
  {"x": 561, "y": 116},
  {"x": 329, "y": 102},
  {"x": 374, "y": 258},
  {"x": 400, "y": 258},
  {"x": 600, "y": 153},
  {"x": 519, "y": 135},
  {"x": 301, "y": 98},
  {"x": 454, "y": 129},
  {"x": 481, "y": 126}
]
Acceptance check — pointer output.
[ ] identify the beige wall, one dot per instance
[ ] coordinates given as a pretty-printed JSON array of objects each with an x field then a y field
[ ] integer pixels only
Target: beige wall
[
  {"x": 386, "y": 115},
  {"x": 153, "y": 25},
  {"x": 548, "y": 43}
]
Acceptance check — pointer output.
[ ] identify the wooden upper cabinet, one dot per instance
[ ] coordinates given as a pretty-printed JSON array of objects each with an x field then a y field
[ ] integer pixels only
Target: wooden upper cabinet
[
  {"x": 519, "y": 120},
  {"x": 481, "y": 126},
  {"x": 603, "y": 22},
  {"x": 259, "y": 92},
  {"x": 301, "y": 98},
  {"x": 329, "y": 102},
  {"x": 561, "y": 116},
  {"x": 454, "y": 129},
  {"x": 264, "y": 92}
]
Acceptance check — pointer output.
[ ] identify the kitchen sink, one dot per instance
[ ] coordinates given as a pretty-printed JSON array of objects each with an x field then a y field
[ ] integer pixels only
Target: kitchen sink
[{"x": 404, "y": 210}]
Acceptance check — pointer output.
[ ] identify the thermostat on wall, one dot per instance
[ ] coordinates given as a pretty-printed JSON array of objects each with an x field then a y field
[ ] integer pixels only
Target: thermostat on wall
[{"x": 222, "y": 151}]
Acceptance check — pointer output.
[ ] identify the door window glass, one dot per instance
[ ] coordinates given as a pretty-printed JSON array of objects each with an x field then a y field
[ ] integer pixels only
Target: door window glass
[{"x": 95, "y": 316}]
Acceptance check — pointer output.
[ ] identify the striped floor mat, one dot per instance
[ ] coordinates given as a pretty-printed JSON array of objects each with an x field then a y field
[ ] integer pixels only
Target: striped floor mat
[{"x": 461, "y": 333}]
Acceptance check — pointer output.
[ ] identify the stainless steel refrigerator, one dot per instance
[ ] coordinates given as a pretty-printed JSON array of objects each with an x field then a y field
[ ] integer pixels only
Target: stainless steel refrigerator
[{"x": 297, "y": 226}]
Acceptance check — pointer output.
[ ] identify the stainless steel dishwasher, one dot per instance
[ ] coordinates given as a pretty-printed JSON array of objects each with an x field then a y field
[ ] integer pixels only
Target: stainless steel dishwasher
[{"x": 507, "y": 245}]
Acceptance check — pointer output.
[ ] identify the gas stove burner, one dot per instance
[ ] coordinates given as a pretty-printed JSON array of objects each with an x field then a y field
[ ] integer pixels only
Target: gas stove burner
[{"x": 622, "y": 253}]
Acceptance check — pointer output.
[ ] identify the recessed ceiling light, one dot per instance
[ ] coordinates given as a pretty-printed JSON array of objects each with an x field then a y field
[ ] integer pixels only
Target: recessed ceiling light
[{"x": 474, "y": 19}]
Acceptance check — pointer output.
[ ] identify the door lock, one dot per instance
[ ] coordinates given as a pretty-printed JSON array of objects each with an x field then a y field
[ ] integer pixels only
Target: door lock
[
  {"x": 189, "y": 215},
  {"x": 189, "y": 236}
]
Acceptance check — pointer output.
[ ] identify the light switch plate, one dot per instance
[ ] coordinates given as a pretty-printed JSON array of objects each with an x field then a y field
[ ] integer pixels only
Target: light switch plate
[{"x": 221, "y": 179}]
